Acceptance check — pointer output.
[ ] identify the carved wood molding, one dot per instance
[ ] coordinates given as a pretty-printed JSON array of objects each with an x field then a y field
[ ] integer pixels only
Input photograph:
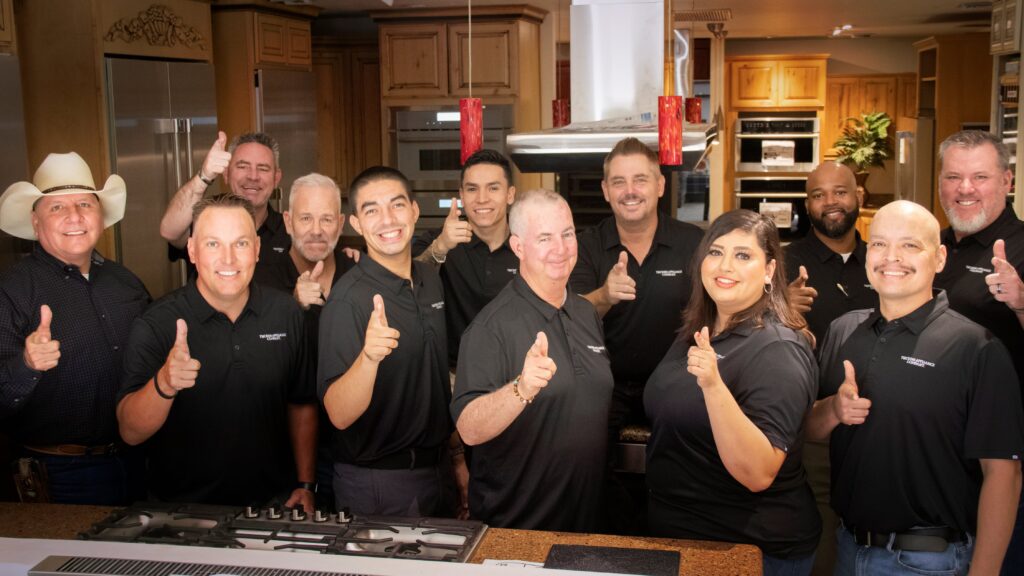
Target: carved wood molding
[{"x": 159, "y": 26}]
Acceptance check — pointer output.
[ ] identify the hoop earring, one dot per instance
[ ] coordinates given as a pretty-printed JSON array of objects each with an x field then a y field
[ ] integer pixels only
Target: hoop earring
[{"x": 767, "y": 287}]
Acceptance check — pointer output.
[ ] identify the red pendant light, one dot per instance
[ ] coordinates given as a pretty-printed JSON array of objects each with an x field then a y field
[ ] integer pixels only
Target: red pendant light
[
  {"x": 670, "y": 106},
  {"x": 471, "y": 110}
]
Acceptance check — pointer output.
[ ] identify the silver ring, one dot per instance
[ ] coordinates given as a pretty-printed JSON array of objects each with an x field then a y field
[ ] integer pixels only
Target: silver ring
[{"x": 999, "y": 288}]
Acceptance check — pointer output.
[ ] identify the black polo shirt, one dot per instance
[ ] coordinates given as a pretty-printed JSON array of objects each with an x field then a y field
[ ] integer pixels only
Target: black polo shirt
[
  {"x": 842, "y": 286},
  {"x": 943, "y": 394},
  {"x": 274, "y": 244},
  {"x": 772, "y": 374},
  {"x": 72, "y": 403},
  {"x": 639, "y": 332},
  {"x": 408, "y": 408},
  {"x": 472, "y": 276},
  {"x": 545, "y": 471},
  {"x": 963, "y": 279},
  {"x": 226, "y": 439}
]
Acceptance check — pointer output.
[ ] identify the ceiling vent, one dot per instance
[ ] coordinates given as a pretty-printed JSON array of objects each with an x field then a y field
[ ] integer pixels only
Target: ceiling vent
[{"x": 704, "y": 15}]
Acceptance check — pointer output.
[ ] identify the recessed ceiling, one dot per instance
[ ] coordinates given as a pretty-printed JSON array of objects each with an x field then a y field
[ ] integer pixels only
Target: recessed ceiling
[{"x": 774, "y": 18}]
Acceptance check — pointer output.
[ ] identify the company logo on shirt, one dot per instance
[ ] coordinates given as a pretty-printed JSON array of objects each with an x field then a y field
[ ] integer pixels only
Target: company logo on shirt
[
  {"x": 274, "y": 337},
  {"x": 278, "y": 249},
  {"x": 512, "y": 271},
  {"x": 668, "y": 273},
  {"x": 438, "y": 305},
  {"x": 596, "y": 349},
  {"x": 978, "y": 269},
  {"x": 917, "y": 362}
]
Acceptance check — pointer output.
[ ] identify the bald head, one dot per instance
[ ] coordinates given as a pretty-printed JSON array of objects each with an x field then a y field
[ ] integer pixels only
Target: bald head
[
  {"x": 833, "y": 201},
  {"x": 904, "y": 254},
  {"x": 832, "y": 173}
]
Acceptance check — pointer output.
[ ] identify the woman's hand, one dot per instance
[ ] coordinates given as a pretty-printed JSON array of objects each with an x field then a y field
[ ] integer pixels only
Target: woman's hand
[{"x": 702, "y": 362}]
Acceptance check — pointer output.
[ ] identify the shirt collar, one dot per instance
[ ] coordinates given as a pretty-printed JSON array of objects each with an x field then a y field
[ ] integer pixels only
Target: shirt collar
[
  {"x": 202, "y": 309},
  {"x": 96, "y": 258},
  {"x": 823, "y": 252},
  {"x": 987, "y": 235},
  {"x": 389, "y": 279},
  {"x": 546, "y": 310},
  {"x": 919, "y": 319},
  {"x": 273, "y": 223},
  {"x": 662, "y": 234}
]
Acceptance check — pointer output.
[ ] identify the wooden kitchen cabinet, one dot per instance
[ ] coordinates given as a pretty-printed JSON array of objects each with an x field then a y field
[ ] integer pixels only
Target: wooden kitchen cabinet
[
  {"x": 414, "y": 59},
  {"x": 849, "y": 96},
  {"x": 282, "y": 40},
  {"x": 777, "y": 81},
  {"x": 1006, "y": 18},
  {"x": 495, "y": 59},
  {"x": 6, "y": 25}
]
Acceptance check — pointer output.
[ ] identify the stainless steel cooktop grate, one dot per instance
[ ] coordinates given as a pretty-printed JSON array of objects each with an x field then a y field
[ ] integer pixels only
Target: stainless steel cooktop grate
[{"x": 84, "y": 566}]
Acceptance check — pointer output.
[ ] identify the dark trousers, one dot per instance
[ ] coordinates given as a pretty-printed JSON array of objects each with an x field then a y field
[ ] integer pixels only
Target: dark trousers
[
  {"x": 625, "y": 500},
  {"x": 415, "y": 492},
  {"x": 102, "y": 480}
]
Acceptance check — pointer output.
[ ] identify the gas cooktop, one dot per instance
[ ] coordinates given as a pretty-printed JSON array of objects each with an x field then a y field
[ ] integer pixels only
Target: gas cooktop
[{"x": 277, "y": 528}]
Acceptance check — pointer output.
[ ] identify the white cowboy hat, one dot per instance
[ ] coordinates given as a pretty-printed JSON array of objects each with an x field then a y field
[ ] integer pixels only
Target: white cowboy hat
[{"x": 58, "y": 175}]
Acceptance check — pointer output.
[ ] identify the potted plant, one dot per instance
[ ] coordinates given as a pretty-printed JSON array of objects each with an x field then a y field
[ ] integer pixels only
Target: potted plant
[{"x": 864, "y": 143}]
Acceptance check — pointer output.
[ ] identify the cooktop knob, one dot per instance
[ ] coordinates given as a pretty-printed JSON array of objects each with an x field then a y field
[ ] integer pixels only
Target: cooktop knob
[
  {"x": 252, "y": 512},
  {"x": 298, "y": 514},
  {"x": 320, "y": 516},
  {"x": 344, "y": 515},
  {"x": 274, "y": 513}
]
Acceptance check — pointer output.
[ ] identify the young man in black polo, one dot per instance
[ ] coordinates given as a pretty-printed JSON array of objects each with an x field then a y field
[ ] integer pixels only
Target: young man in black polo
[
  {"x": 924, "y": 414},
  {"x": 533, "y": 385},
  {"x": 216, "y": 377},
  {"x": 383, "y": 366},
  {"x": 474, "y": 257}
]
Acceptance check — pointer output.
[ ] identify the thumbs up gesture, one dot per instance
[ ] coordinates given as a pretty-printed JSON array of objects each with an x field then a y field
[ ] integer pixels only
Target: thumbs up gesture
[
  {"x": 217, "y": 159},
  {"x": 380, "y": 339},
  {"x": 455, "y": 231},
  {"x": 1004, "y": 283},
  {"x": 619, "y": 286},
  {"x": 307, "y": 287},
  {"x": 801, "y": 296},
  {"x": 41, "y": 351},
  {"x": 181, "y": 369},
  {"x": 702, "y": 362},
  {"x": 538, "y": 368},
  {"x": 847, "y": 405}
]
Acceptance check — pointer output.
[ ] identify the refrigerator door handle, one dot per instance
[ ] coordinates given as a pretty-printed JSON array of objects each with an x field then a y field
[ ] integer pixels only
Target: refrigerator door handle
[
  {"x": 177, "y": 153},
  {"x": 186, "y": 127}
]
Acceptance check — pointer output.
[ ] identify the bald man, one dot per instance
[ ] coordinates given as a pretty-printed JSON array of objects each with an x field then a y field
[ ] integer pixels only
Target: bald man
[
  {"x": 923, "y": 410},
  {"x": 826, "y": 268}
]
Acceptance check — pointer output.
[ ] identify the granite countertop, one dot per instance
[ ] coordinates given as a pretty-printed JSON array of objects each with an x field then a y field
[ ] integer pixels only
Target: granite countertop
[{"x": 63, "y": 521}]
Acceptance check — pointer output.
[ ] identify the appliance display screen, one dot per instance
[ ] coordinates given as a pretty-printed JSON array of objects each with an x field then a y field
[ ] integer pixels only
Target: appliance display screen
[{"x": 440, "y": 160}]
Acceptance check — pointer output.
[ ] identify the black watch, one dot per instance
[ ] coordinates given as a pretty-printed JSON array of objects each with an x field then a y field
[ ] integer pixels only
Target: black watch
[{"x": 311, "y": 486}]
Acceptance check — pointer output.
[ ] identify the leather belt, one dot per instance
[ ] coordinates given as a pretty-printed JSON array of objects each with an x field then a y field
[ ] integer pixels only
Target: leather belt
[
  {"x": 406, "y": 460},
  {"x": 75, "y": 450},
  {"x": 913, "y": 540}
]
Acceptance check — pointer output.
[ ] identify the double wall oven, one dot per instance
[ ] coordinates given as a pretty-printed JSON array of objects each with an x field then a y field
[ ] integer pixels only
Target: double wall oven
[
  {"x": 427, "y": 150},
  {"x": 773, "y": 156}
]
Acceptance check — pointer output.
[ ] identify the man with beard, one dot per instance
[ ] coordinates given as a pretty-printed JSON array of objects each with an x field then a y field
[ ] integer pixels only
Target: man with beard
[
  {"x": 314, "y": 264},
  {"x": 985, "y": 243},
  {"x": 828, "y": 280}
]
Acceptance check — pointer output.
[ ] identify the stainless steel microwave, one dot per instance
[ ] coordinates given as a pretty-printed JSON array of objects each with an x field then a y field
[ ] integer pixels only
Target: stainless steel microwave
[{"x": 777, "y": 144}]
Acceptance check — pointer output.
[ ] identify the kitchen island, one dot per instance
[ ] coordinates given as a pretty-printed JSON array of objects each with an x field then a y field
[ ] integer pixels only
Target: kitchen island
[{"x": 59, "y": 521}]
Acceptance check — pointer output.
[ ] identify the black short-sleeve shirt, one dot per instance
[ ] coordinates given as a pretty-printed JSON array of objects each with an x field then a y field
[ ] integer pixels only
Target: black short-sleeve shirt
[
  {"x": 226, "y": 439},
  {"x": 943, "y": 394},
  {"x": 772, "y": 374},
  {"x": 842, "y": 286},
  {"x": 408, "y": 408},
  {"x": 74, "y": 402},
  {"x": 545, "y": 471},
  {"x": 472, "y": 276},
  {"x": 274, "y": 244},
  {"x": 639, "y": 332},
  {"x": 968, "y": 262}
]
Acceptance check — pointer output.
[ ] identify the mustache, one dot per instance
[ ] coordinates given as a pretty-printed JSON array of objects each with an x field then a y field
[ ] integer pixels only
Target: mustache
[{"x": 887, "y": 268}]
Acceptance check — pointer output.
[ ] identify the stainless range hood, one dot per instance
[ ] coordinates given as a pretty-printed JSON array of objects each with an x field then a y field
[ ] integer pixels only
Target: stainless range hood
[{"x": 617, "y": 75}]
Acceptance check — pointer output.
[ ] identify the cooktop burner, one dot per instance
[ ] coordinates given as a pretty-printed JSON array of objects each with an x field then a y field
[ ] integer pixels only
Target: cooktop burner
[{"x": 276, "y": 528}]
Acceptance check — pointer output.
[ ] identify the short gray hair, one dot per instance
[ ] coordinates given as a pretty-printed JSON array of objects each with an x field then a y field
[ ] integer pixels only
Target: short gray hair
[
  {"x": 314, "y": 180},
  {"x": 258, "y": 138},
  {"x": 971, "y": 139},
  {"x": 517, "y": 215}
]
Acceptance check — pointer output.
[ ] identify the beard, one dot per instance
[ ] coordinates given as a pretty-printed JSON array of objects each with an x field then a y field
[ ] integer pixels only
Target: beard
[
  {"x": 307, "y": 253},
  {"x": 838, "y": 229},
  {"x": 965, "y": 226}
]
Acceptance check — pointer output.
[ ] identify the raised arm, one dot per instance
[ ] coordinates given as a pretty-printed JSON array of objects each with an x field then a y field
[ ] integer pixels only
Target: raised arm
[{"x": 178, "y": 216}]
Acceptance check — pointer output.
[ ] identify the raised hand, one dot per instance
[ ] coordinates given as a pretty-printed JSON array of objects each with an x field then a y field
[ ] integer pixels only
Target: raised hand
[
  {"x": 217, "y": 159},
  {"x": 847, "y": 405},
  {"x": 801, "y": 296},
  {"x": 701, "y": 360},
  {"x": 380, "y": 339},
  {"x": 1004, "y": 283},
  {"x": 538, "y": 368},
  {"x": 307, "y": 287},
  {"x": 455, "y": 231},
  {"x": 181, "y": 369},
  {"x": 619, "y": 286},
  {"x": 41, "y": 351}
]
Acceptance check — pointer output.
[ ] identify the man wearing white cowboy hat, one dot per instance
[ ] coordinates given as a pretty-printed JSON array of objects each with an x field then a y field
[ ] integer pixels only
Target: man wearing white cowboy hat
[{"x": 65, "y": 315}]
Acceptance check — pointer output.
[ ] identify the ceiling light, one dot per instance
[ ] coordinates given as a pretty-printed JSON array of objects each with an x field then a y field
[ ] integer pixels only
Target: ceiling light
[{"x": 847, "y": 26}]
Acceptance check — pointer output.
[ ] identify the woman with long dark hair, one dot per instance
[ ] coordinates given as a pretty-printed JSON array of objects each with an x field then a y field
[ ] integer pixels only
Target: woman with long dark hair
[{"x": 727, "y": 404}]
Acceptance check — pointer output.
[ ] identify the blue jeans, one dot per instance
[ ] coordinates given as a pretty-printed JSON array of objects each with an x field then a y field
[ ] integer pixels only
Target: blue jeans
[
  {"x": 855, "y": 560},
  {"x": 772, "y": 566},
  {"x": 100, "y": 480}
]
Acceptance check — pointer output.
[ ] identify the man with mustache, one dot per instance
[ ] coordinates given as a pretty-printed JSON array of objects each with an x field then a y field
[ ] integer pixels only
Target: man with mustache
[
  {"x": 826, "y": 267},
  {"x": 922, "y": 410},
  {"x": 985, "y": 244}
]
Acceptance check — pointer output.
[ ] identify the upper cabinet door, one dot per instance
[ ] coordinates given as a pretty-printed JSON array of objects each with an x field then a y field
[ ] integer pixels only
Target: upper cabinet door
[
  {"x": 802, "y": 83},
  {"x": 754, "y": 84},
  {"x": 495, "y": 61},
  {"x": 414, "y": 59},
  {"x": 6, "y": 23}
]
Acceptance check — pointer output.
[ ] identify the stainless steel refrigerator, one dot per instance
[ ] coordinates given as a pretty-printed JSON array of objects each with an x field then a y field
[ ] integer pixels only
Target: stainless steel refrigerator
[
  {"x": 13, "y": 150},
  {"x": 163, "y": 121},
  {"x": 286, "y": 109}
]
